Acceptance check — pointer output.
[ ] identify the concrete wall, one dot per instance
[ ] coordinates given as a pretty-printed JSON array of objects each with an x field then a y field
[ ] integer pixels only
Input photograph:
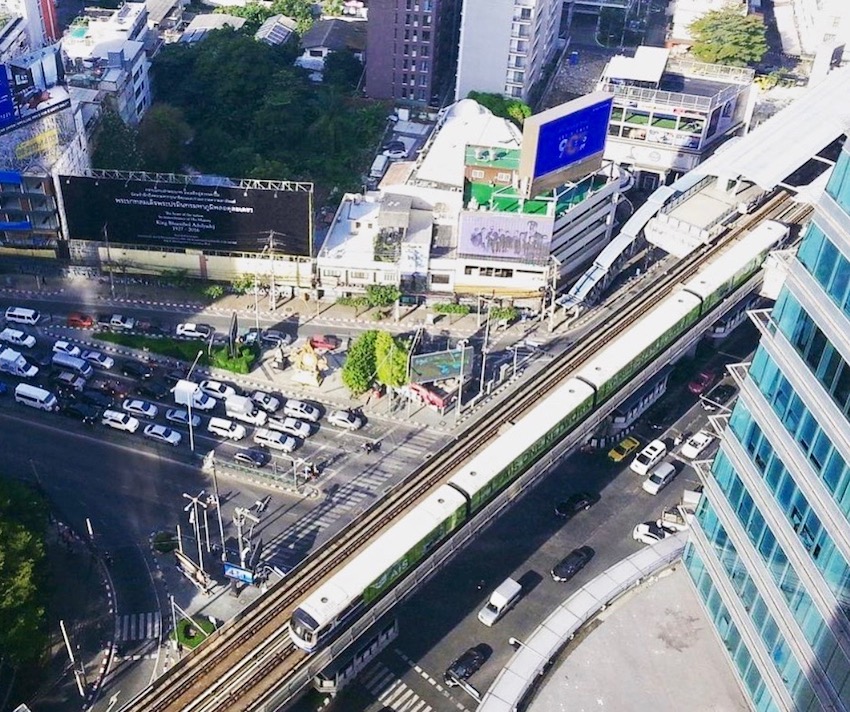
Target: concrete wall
[
  {"x": 380, "y": 38},
  {"x": 485, "y": 38}
]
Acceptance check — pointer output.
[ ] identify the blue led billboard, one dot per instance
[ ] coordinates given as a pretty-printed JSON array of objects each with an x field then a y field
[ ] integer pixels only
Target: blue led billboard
[
  {"x": 572, "y": 138},
  {"x": 31, "y": 87},
  {"x": 7, "y": 103}
]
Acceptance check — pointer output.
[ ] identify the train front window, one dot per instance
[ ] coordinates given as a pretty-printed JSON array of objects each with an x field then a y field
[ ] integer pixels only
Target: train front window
[{"x": 303, "y": 625}]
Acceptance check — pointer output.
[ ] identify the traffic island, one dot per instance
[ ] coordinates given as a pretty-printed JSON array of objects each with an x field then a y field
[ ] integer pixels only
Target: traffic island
[{"x": 191, "y": 633}]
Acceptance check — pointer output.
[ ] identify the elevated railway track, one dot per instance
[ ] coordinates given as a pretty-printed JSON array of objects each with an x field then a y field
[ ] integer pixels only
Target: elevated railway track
[{"x": 245, "y": 664}]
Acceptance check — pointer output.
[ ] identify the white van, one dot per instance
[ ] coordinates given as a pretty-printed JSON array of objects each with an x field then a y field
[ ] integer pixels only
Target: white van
[
  {"x": 226, "y": 428},
  {"x": 120, "y": 421},
  {"x": 649, "y": 457},
  {"x": 72, "y": 363},
  {"x": 17, "y": 338},
  {"x": 21, "y": 315},
  {"x": 500, "y": 602},
  {"x": 35, "y": 397}
]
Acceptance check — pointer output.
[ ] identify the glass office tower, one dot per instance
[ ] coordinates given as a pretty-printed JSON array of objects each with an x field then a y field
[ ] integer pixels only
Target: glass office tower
[{"x": 769, "y": 552}]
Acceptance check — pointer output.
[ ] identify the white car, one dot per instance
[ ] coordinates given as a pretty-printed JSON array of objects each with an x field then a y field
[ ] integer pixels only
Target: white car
[
  {"x": 275, "y": 440},
  {"x": 650, "y": 532},
  {"x": 299, "y": 409},
  {"x": 345, "y": 419},
  {"x": 16, "y": 337},
  {"x": 649, "y": 457},
  {"x": 697, "y": 444},
  {"x": 139, "y": 407},
  {"x": 266, "y": 401},
  {"x": 195, "y": 331},
  {"x": 162, "y": 434},
  {"x": 659, "y": 478},
  {"x": 181, "y": 417},
  {"x": 217, "y": 389},
  {"x": 293, "y": 426},
  {"x": 65, "y": 347},
  {"x": 119, "y": 321},
  {"x": 96, "y": 358},
  {"x": 120, "y": 421}
]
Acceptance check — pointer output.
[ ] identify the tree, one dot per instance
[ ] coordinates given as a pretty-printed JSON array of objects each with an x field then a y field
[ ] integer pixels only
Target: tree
[
  {"x": 390, "y": 360},
  {"x": 163, "y": 135},
  {"x": 513, "y": 109},
  {"x": 382, "y": 295},
  {"x": 115, "y": 144},
  {"x": 342, "y": 70},
  {"x": 333, "y": 8},
  {"x": 253, "y": 13},
  {"x": 358, "y": 371},
  {"x": 728, "y": 37}
]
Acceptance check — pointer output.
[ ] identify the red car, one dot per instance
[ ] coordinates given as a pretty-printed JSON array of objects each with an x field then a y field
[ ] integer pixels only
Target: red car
[
  {"x": 81, "y": 321},
  {"x": 324, "y": 344},
  {"x": 704, "y": 380}
]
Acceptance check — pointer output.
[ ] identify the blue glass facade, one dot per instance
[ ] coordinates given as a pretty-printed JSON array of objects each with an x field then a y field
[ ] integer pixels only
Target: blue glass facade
[{"x": 770, "y": 551}]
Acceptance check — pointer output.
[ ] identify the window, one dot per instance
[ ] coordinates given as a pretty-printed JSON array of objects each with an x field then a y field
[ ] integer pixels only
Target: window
[
  {"x": 504, "y": 177},
  {"x": 356, "y": 274},
  {"x": 331, "y": 273},
  {"x": 440, "y": 279}
]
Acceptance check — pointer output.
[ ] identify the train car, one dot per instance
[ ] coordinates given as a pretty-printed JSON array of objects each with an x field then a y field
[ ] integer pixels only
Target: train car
[
  {"x": 369, "y": 574},
  {"x": 519, "y": 447},
  {"x": 629, "y": 352},
  {"x": 734, "y": 266}
]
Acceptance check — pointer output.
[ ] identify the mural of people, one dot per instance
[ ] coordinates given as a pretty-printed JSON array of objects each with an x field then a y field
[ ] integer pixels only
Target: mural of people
[{"x": 514, "y": 237}]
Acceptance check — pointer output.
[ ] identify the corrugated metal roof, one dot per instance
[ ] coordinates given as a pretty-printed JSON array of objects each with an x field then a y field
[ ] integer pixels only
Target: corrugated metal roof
[{"x": 783, "y": 143}]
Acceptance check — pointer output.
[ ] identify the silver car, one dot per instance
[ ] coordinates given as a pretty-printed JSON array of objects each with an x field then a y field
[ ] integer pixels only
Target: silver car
[
  {"x": 162, "y": 434},
  {"x": 139, "y": 407},
  {"x": 181, "y": 417}
]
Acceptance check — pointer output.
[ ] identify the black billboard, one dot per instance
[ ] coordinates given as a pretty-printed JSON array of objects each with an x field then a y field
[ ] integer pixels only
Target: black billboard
[{"x": 196, "y": 217}]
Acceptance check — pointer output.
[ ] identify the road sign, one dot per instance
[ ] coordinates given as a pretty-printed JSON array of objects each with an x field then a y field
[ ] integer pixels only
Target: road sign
[
  {"x": 440, "y": 365},
  {"x": 238, "y": 573}
]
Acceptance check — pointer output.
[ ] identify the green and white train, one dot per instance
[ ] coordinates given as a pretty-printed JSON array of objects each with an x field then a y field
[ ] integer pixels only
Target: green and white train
[{"x": 404, "y": 544}]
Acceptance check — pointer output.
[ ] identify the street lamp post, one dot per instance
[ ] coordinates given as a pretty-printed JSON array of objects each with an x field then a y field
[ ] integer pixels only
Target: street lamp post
[{"x": 189, "y": 404}]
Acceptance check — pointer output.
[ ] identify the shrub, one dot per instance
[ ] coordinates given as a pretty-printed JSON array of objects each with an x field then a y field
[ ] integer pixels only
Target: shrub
[
  {"x": 214, "y": 291},
  {"x": 452, "y": 308}
]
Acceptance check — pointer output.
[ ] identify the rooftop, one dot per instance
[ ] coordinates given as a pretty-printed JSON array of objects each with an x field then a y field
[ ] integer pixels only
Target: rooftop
[
  {"x": 202, "y": 24},
  {"x": 336, "y": 35},
  {"x": 351, "y": 238},
  {"x": 276, "y": 30},
  {"x": 158, "y": 10},
  {"x": 484, "y": 156},
  {"x": 96, "y": 26},
  {"x": 646, "y": 66}
]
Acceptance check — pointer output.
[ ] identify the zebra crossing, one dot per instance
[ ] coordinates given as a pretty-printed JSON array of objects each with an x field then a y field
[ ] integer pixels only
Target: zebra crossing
[
  {"x": 392, "y": 692},
  {"x": 137, "y": 626}
]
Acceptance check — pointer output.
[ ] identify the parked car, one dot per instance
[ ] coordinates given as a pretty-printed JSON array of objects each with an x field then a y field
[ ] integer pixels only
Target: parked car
[
  {"x": 661, "y": 476},
  {"x": 253, "y": 457},
  {"x": 121, "y": 322},
  {"x": 16, "y": 337},
  {"x": 273, "y": 337},
  {"x": 703, "y": 381},
  {"x": 84, "y": 412},
  {"x": 153, "y": 388},
  {"x": 345, "y": 419},
  {"x": 162, "y": 434},
  {"x": 266, "y": 401},
  {"x": 137, "y": 406},
  {"x": 217, "y": 389},
  {"x": 98, "y": 359},
  {"x": 650, "y": 532},
  {"x": 301, "y": 409},
  {"x": 136, "y": 369},
  {"x": 195, "y": 331},
  {"x": 325, "y": 344},
  {"x": 181, "y": 417},
  {"x": 623, "y": 449},
  {"x": 395, "y": 150},
  {"x": 575, "y": 503},
  {"x": 66, "y": 347},
  {"x": 649, "y": 457},
  {"x": 464, "y": 667},
  {"x": 572, "y": 563},
  {"x": 697, "y": 444},
  {"x": 80, "y": 321}
]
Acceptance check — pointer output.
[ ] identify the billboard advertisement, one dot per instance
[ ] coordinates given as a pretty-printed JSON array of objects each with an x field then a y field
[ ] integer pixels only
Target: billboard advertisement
[
  {"x": 148, "y": 214},
  {"x": 32, "y": 87},
  {"x": 502, "y": 236},
  {"x": 439, "y": 365},
  {"x": 566, "y": 142}
]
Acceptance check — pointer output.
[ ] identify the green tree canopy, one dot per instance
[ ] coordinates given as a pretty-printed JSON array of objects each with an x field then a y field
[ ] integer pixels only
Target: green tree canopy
[
  {"x": 23, "y": 519},
  {"x": 253, "y": 13},
  {"x": 115, "y": 145},
  {"x": 162, "y": 138},
  {"x": 728, "y": 37},
  {"x": 382, "y": 295},
  {"x": 513, "y": 109},
  {"x": 391, "y": 359},
  {"x": 343, "y": 70},
  {"x": 358, "y": 371}
]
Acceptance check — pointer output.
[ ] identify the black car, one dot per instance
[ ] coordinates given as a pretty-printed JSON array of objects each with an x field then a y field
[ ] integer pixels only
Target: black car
[
  {"x": 574, "y": 562},
  {"x": 464, "y": 667},
  {"x": 95, "y": 398},
  {"x": 575, "y": 503},
  {"x": 88, "y": 414},
  {"x": 252, "y": 457},
  {"x": 154, "y": 389},
  {"x": 137, "y": 370},
  {"x": 113, "y": 389},
  {"x": 174, "y": 375},
  {"x": 717, "y": 397}
]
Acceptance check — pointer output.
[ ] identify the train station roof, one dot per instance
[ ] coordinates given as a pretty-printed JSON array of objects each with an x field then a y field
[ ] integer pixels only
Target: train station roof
[{"x": 778, "y": 147}]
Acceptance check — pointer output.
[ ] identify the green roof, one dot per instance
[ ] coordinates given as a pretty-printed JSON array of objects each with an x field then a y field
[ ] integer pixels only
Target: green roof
[
  {"x": 506, "y": 199},
  {"x": 485, "y": 156}
]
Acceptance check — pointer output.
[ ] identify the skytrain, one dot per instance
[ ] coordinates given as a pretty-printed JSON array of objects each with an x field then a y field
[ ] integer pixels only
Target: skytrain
[{"x": 401, "y": 546}]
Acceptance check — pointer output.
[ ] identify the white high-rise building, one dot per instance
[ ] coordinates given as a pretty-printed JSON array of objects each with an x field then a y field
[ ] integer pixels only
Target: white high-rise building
[{"x": 505, "y": 44}]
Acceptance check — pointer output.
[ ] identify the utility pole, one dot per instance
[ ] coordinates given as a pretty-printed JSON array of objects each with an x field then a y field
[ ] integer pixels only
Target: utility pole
[
  {"x": 109, "y": 260},
  {"x": 240, "y": 515},
  {"x": 272, "y": 292},
  {"x": 556, "y": 268},
  {"x": 218, "y": 512},
  {"x": 192, "y": 508},
  {"x": 78, "y": 665},
  {"x": 462, "y": 346},
  {"x": 484, "y": 351},
  {"x": 189, "y": 404}
]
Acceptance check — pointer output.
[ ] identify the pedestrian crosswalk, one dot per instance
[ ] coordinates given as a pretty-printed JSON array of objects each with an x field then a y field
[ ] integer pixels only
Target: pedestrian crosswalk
[
  {"x": 137, "y": 626},
  {"x": 391, "y": 691}
]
